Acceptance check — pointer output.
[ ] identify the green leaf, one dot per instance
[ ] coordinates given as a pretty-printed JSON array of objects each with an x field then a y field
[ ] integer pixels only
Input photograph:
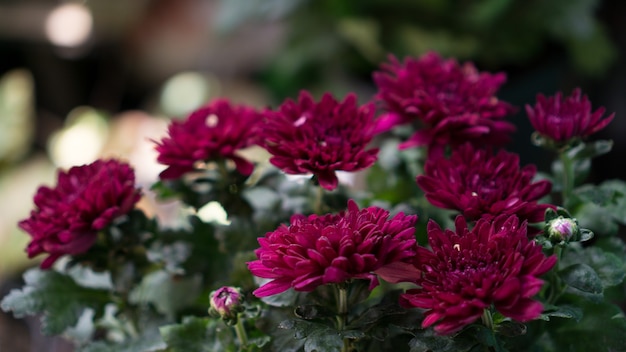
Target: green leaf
[
  {"x": 167, "y": 292},
  {"x": 148, "y": 341},
  {"x": 602, "y": 328},
  {"x": 583, "y": 281},
  {"x": 590, "y": 150},
  {"x": 198, "y": 335},
  {"x": 57, "y": 296},
  {"x": 427, "y": 341},
  {"x": 597, "y": 219},
  {"x": 563, "y": 311},
  {"x": 319, "y": 337},
  {"x": 608, "y": 266},
  {"x": 322, "y": 341}
]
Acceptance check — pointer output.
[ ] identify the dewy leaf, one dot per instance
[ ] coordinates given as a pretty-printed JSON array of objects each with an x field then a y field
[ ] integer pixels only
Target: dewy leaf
[
  {"x": 583, "y": 281},
  {"x": 609, "y": 267},
  {"x": 57, "y": 296}
]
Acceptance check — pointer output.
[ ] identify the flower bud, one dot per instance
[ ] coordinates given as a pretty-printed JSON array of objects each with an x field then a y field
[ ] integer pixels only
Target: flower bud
[
  {"x": 562, "y": 230},
  {"x": 226, "y": 302}
]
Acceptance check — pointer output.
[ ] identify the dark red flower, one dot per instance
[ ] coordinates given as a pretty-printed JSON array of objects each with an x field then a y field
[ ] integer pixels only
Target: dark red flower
[
  {"x": 306, "y": 137},
  {"x": 332, "y": 248},
  {"x": 469, "y": 271},
  {"x": 453, "y": 103},
  {"x": 213, "y": 132},
  {"x": 480, "y": 184},
  {"x": 563, "y": 119},
  {"x": 85, "y": 200}
]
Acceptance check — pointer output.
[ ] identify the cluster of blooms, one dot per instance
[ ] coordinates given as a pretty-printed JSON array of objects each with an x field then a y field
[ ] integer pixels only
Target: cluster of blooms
[{"x": 490, "y": 260}]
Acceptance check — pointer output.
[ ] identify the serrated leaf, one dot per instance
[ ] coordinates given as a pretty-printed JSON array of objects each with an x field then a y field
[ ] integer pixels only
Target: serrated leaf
[
  {"x": 167, "y": 292},
  {"x": 427, "y": 341},
  {"x": 602, "y": 328},
  {"x": 57, "y": 296},
  {"x": 583, "y": 281},
  {"x": 610, "y": 267},
  {"x": 607, "y": 265},
  {"x": 564, "y": 311},
  {"x": 148, "y": 341},
  {"x": 323, "y": 341},
  {"x": 597, "y": 219},
  {"x": 590, "y": 150},
  {"x": 196, "y": 334}
]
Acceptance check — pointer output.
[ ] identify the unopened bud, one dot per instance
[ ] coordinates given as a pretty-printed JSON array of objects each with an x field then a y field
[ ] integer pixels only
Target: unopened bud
[
  {"x": 226, "y": 302},
  {"x": 562, "y": 230}
]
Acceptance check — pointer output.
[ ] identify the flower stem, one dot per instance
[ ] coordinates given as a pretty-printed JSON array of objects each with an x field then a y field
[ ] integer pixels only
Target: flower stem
[
  {"x": 319, "y": 201},
  {"x": 568, "y": 176},
  {"x": 487, "y": 319},
  {"x": 556, "y": 286},
  {"x": 241, "y": 333},
  {"x": 342, "y": 313}
]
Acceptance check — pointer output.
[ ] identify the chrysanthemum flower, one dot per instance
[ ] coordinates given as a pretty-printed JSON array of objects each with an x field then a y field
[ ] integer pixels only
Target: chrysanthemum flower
[
  {"x": 469, "y": 271},
  {"x": 563, "y": 119},
  {"x": 480, "y": 184},
  {"x": 85, "y": 200},
  {"x": 452, "y": 103},
  {"x": 332, "y": 248},
  {"x": 306, "y": 137},
  {"x": 213, "y": 132}
]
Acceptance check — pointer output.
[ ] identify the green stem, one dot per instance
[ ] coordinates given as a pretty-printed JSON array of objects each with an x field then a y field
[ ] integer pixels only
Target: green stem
[
  {"x": 342, "y": 312},
  {"x": 556, "y": 287},
  {"x": 568, "y": 176},
  {"x": 241, "y": 333},
  {"x": 319, "y": 201},
  {"x": 487, "y": 319}
]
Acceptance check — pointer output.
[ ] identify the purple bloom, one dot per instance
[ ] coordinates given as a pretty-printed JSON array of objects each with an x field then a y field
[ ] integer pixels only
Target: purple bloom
[
  {"x": 85, "y": 200},
  {"x": 453, "y": 103},
  {"x": 306, "y": 137},
  {"x": 333, "y": 248},
  {"x": 480, "y": 184},
  {"x": 213, "y": 132},
  {"x": 227, "y": 302},
  {"x": 563, "y": 119},
  {"x": 468, "y": 271}
]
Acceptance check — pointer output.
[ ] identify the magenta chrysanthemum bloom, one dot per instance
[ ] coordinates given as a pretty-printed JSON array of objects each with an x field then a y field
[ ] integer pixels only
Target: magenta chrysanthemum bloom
[
  {"x": 333, "y": 248},
  {"x": 213, "y": 132},
  {"x": 85, "y": 200},
  {"x": 452, "y": 103},
  {"x": 469, "y": 271},
  {"x": 563, "y": 119},
  {"x": 480, "y": 184},
  {"x": 306, "y": 137}
]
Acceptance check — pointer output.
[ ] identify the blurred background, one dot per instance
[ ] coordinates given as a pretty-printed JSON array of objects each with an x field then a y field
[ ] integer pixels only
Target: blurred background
[{"x": 85, "y": 79}]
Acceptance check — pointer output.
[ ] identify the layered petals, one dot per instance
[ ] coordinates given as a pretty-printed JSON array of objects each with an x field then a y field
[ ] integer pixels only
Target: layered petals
[
  {"x": 481, "y": 184},
  {"x": 333, "y": 248},
  {"x": 562, "y": 119},
  {"x": 451, "y": 103},
  {"x": 468, "y": 271},
  {"x": 216, "y": 131},
  {"x": 306, "y": 137},
  {"x": 86, "y": 199}
]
